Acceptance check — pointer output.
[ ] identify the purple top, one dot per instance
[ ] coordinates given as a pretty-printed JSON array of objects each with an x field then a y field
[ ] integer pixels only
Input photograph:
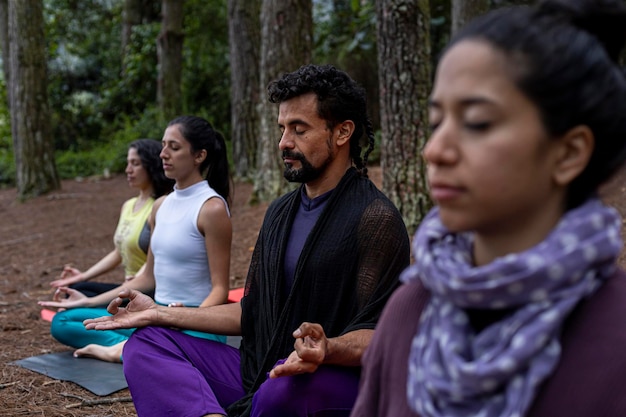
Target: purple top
[
  {"x": 306, "y": 217},
  {"x": 589, "y": 379}
]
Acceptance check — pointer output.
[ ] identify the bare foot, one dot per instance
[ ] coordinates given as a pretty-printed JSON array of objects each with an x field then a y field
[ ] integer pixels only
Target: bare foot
[{"x": 104, "y": 353}]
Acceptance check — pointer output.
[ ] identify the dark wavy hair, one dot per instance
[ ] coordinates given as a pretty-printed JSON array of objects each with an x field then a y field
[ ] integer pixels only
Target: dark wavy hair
[
  {"x": 563, "y": 55},
  {"x": 201, "y": 135},
  {"x": 149, "y": 151},
  {"x": 339, "y": 98}
]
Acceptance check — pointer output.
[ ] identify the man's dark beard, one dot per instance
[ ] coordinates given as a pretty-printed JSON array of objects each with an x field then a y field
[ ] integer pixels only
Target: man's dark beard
[{"x": 308, "y": 172}]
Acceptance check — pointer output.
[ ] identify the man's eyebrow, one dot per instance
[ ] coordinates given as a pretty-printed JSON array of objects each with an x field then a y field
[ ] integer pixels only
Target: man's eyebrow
[{"x": 293, "y": 122}]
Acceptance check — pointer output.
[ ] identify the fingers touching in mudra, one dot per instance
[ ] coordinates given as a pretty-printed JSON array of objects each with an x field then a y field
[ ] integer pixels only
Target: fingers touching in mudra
[
  {"x": 136, "y": 313},
  {"x": 310, "y": 349},
  {"x": 65, "y": 297}
]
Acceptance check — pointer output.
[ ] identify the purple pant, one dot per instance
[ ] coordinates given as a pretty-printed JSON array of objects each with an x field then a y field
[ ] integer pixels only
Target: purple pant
[{"x": 170, "y": 373}]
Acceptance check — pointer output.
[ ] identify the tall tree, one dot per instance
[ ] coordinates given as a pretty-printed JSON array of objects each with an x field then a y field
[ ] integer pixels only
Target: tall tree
[
  {"x": 136, "y": 12},
  {"x": 30, "y": 118},
  {"x": 244, "y": 29},
  {"x": 463, "y": 11},
  {"x": 131, "y": 16},
  {"x": 404, "y": 72},
  {"x": 170, "y": 55},
  {"x": 4, "y": 42},
  {"x": 286, "y": 42}
]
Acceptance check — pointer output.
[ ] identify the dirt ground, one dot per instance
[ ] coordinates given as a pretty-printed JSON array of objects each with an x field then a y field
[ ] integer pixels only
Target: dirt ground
[{"x": 76, "y": 225}]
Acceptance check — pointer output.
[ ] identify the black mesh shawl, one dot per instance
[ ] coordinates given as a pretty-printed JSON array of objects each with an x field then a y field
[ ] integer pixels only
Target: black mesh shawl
[{"x": 347, "y": 270}]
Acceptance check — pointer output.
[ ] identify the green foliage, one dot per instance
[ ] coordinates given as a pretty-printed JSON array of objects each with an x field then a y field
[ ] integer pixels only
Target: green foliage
[
  {"x": 83, "y": 42},
  {"x": 96, "y": 107},
  {"x": 147, "y": 125},
  {"x": 130, "y": 92},
  {"x": 345, "y": 36},
  {"x": 343, "y": 29},
  {"x": 206, "y": 75},
  {"x": 109, "y": 154},
  {"x": 99, "y": 103},
  {"x": 73, "y": 164}
]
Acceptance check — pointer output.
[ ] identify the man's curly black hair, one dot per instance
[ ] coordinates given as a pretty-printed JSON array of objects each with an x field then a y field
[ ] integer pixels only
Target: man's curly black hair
[{"x": 339, "y": 98}]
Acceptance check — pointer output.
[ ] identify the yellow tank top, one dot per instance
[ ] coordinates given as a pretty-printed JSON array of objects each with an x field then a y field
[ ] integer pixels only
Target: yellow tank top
[{"x": 126, "y": 238}]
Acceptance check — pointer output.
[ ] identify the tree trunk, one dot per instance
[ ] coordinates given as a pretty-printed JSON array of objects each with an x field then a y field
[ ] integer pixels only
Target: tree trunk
[
  {"x": 4, "y": 42},
  {"x": 131, "y": 16},
  {"x": 286, "y": 42},
  {"x": 244, "y": 29},
  {"x": 404, "y": 73},
  {"x": 465, "y": 10},
  {"x": 170, "y": 55},
  {"x": 30, "y": 118}
]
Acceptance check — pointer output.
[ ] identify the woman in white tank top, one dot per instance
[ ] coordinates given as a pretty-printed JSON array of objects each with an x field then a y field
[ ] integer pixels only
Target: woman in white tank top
[{"x": 188, "y": 261}]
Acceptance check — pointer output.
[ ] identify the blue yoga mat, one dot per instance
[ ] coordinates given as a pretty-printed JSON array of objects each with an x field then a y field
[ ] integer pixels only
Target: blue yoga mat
[{"x": 99, "y": 377}]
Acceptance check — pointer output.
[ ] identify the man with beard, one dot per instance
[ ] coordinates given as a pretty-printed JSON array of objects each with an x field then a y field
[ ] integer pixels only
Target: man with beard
[{"x": 327, "y": 258}]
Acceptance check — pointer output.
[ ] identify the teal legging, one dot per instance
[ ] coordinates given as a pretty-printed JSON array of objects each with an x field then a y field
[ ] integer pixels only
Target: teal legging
[{"x": 67, "y": 327}]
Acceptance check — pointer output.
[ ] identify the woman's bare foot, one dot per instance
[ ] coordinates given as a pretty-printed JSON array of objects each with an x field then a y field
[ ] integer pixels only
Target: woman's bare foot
[{"x": 104, "y": 353}]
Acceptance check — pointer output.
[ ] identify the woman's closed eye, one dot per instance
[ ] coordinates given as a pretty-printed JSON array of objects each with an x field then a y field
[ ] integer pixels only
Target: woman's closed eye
[{"x": 477, "y": 126}]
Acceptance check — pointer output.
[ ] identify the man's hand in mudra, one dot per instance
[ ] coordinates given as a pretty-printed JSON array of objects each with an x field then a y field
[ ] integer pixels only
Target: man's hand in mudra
[{"x": 139, "y": 312}]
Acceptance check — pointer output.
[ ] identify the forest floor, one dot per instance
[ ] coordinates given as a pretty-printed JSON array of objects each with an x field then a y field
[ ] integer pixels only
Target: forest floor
[{"x": 75, "y": 226}]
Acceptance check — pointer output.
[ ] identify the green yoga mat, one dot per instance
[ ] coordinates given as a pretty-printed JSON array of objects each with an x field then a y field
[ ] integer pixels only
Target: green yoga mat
[{"x": 99, "y": 377}]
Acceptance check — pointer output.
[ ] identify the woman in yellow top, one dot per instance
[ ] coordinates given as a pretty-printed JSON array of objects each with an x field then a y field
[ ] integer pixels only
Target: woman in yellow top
[
  {"x": 189, "y": 256},
  {"x": 144, "y": 172}
]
